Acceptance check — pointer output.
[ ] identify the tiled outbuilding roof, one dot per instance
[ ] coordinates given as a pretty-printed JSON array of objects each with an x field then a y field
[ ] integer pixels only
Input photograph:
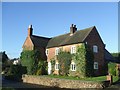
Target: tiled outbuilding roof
[{"x": 39, "y": 41}]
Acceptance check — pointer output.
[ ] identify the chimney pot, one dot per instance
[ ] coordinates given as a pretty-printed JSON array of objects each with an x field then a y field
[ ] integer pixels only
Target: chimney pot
[
  {"x": 72, "y": 25},
  {"x": 75, "y": 26},
  {"x": 30, "y": 30},
  {"x": 30, "y": 26},
  {"x": 73, "y": 29}
]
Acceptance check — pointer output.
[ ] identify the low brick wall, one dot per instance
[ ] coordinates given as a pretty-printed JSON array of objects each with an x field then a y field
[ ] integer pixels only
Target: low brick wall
[{"x": 63, "y": 83}]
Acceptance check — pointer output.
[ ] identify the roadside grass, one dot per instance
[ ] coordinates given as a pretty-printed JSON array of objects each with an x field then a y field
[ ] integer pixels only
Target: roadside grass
[{"x": 98, "y": 79}]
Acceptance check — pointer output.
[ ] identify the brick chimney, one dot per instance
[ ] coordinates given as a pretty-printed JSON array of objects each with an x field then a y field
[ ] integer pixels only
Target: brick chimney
[
  {"x": 30, "y": 30},
  {"x": 73, "y": 29}
]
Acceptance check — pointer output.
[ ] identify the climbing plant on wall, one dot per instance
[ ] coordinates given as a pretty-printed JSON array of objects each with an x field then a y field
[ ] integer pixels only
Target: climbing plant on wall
[
  {"x": 64, "y": 59},
  {"x": 83, "y": 59}
]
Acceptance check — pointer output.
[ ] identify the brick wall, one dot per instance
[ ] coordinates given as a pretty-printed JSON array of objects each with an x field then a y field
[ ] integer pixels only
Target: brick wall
[
  {"x": 94, "y": 39},
  {"x": 28, "y": 45},
  {"x": 67, "y": 48}
]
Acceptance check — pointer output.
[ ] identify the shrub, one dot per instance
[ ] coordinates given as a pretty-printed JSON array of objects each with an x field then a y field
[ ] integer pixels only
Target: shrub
[
  {"x": 30, "y": 59},
  {"x": 52, "y": 64},
  {"x": 112, "y": 69},
  {"x": 15, "y": 72},
  {"x": 64, "y": 59},
  {"x": 41, "y": 68}
]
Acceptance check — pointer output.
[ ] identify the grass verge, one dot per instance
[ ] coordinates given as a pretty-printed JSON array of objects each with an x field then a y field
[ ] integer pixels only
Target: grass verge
[{"x": 100, "y": 78}]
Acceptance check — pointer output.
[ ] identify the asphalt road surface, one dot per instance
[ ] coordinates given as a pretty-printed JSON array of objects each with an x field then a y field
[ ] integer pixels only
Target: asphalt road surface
[{"x": 26, "y": 86}]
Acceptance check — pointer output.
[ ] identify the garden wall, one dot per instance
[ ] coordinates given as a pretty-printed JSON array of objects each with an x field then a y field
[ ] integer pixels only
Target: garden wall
[{"x": 63, "y": 83}]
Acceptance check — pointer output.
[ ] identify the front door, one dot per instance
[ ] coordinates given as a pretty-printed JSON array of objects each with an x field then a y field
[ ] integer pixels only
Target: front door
[{"x": 49, "y": 68}]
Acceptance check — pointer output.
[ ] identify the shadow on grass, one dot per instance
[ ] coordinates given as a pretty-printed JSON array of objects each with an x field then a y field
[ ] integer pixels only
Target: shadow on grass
[{"x": 117, "y": 82}]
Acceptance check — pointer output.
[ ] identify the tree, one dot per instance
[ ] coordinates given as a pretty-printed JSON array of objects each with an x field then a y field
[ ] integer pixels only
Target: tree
[
  {"x": 31, "y": 59},
  {"x": 116, "y": 55},
  {"x": 4, "y": 57},
  {"x": 64, "y": 59},
  {"x": 112, "y": 69},
  {"x": 4, "y": 60}
]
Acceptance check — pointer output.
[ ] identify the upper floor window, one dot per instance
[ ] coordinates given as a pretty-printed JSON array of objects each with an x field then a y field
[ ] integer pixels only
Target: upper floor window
[
  {"x": 73, "y": 49},
  {"x": 47, "y": 51},
  {"x": 57, "y": 66},
  {"x": 57, "y": 51},
  {"x": 95, "y": 48},
  {"x": 95, "y": 65},
  {"x": 73, "y": 66}
]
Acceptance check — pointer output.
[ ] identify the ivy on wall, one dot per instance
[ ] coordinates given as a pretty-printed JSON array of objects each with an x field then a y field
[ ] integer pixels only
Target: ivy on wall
[
  {"x": 83, "y": 59},
  {"x": 52, "y": 65},
  {"x": 64, "y": 59}
]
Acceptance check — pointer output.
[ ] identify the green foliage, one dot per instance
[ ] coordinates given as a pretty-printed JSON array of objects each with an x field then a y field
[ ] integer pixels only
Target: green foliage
[
  {"x": 7, "y": 88},
  {"x": 15, "y": 72},
  {"x": 52, "y": 64},
  {"x": 112, "y": 69},
  {"x": 3, "y": 60},
  {"x": 4, "y": 57},
  {"x": 84, "y": 61},
  {"x": 64, "y": 59},
  {"x": 41, "y": 68},
  {"x": 89, "y": 61},
  {"x": 32, "y": 60},
  {"x": 116, "y": 55}
]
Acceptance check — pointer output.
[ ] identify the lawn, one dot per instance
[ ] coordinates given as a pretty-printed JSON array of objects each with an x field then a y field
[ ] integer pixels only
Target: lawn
[{"x": 100, "y": 78}]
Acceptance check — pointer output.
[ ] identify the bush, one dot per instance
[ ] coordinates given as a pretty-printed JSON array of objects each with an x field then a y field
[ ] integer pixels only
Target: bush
[
  {"x": 112, "y": 69},
  {"x": 52, "y": 65},
  {"x": 30, "y": 60},
  {"x": 15, "y": 72},
  {"x": 41, "y": 68},
  {"x": 64, "y": 59}
]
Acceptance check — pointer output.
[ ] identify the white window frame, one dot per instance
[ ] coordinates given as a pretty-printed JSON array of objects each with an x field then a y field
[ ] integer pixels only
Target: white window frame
[
  {"x": 73, "y": 66},
  {"x": 47, "y": 52},
  {"x": 73, "y": 49},
  {"x": 95, "y": 65},
  {"x": 57, "y": 66},
  {"x": 95, "y": 48},
  {"x": 57, "y": 51}
]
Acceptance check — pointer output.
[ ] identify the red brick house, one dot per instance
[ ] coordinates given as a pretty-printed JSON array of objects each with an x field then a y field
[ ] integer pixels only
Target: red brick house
[
  {"x": 33, "y": 42},
  {"x": 68, "y": 42}
]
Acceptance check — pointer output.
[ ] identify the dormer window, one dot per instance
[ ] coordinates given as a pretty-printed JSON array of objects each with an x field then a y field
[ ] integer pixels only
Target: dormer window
[
  {"x": 47, "y": 52},
  {"x": 95, "y": 48},
  {"x": 73, "y": 49},
  {"x": 57, "y": 50}
]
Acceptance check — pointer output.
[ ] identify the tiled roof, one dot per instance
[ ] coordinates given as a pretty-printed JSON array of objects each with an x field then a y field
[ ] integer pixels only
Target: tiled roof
[
  {"x": 110, "y": 58},
  {"x": 39, "y": 41},
  {"x": 66, "y": 39}
]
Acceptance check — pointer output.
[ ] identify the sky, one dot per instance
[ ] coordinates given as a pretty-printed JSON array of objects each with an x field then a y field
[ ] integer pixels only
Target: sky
[{"x": 50, "y": 19}]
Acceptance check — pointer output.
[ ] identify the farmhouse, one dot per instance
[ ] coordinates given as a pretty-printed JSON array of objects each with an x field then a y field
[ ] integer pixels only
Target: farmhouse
[{"x": 50, "y": 47}]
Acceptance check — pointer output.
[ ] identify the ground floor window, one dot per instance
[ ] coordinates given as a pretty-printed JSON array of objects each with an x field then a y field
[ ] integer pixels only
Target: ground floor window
[
  {"x": 57, "y": 66},
  {"x": 73, "y": 66},
  {"x": 95, "y": 65}
]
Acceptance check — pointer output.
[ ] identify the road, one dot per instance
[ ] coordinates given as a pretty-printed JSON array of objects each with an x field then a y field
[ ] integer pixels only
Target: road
[
  {"x": 116, "y": 85},
  {"x": 25, "y": 86}
]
